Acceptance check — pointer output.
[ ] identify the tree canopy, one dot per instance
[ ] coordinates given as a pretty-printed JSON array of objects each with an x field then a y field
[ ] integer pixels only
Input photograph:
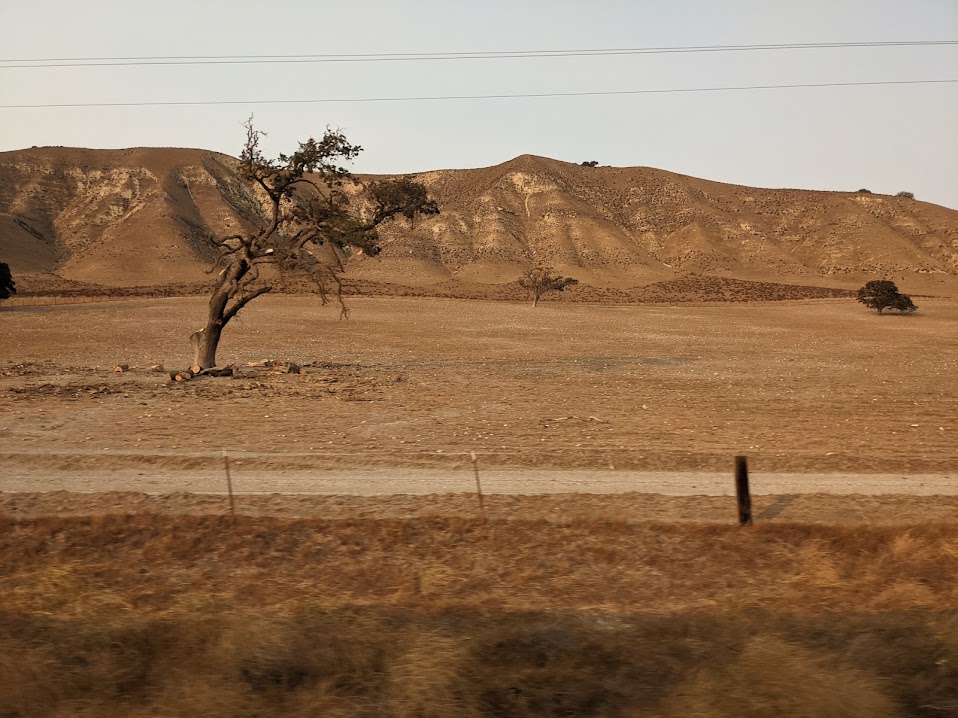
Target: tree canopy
[
  {"x": 881, "y": 294},
  {"x": 540, "y": 280},
  {"x": 307, "y": 207},
  {"x": 7, "y": 286}
]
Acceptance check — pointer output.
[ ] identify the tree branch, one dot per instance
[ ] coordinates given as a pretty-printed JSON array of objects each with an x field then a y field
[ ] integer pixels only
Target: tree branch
[{"x": 242, "y": 302}]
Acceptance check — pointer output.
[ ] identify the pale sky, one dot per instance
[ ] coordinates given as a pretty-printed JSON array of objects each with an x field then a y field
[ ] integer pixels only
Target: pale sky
[{"x": 885, "y": 138}]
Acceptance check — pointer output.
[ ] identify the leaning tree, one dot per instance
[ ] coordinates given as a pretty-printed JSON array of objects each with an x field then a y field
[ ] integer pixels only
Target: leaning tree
[{"x": 311, "y": 217}]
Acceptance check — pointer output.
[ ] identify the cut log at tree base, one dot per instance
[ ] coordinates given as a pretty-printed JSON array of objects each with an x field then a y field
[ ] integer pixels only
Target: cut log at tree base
[
  {"x": 216, "y": 371},
  {"x": 121, "y": 367},
  {"x": 157, "y": 368},
  {"x": 270, "y": 366},
  {"x": 188, "y": 374}
]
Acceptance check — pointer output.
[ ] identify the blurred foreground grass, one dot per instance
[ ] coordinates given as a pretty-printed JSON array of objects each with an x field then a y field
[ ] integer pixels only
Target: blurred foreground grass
[{"x": 148, "y": 615}]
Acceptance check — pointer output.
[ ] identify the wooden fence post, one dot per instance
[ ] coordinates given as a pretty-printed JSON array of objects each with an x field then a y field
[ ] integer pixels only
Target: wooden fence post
[
  {"x": 229, "y": 484},
  {"x": 475, "y": 468},
  {"x": 742, "y": 494}
]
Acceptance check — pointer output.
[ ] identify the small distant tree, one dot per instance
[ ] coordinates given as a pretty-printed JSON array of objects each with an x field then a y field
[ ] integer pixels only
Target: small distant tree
[
  {"x": 881, "y": 294},
  {"x": 540, "y": 280},
  {"x": 864, "y": 191},
  {"x": 590, "y": 163},
  {"x": 906, "y": 195},
  {"x": 7, "y": 286}
]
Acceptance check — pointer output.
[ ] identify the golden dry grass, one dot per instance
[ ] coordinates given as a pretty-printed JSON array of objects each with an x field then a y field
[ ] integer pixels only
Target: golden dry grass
[
  {"x": 368, "y": 661},
  {"x": 151, "y": 564},
  {"x": 149, "y": 615}
]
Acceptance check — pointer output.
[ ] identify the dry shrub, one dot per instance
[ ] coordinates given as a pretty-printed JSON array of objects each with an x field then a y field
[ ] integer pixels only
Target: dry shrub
[
  {"x": 304, "y": 662},
  {"x": 772, "y": 677},
  {"x": 24, "y": 680},
  {"x": 553, "y": 668},
  {"x": 49, "y": 665},
  {"x": 429, "y": 681},
  {"x": 463, "y": 664}
]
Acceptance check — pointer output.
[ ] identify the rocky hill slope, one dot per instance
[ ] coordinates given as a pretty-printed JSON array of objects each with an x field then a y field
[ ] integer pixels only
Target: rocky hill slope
[{"x": 141, "y": 216}]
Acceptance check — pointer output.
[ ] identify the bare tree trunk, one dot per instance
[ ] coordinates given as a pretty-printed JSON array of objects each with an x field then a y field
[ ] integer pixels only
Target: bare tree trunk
[
  {"x": 535, "y": 300},
  {"x": 205, "y": 341}
]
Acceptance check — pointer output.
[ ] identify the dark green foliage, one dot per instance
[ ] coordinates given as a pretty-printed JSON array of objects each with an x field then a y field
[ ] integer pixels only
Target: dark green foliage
[
  {"x": 906, "y": 195},
  {"x": 590, "y": 163},
  {"x": 401, "y": 196},
  {"x": 7, "y": 285},
  {"x": 864, "y": 191},
  {"x": 903, "y": 304},
  {"x": 881, "y": 294}
]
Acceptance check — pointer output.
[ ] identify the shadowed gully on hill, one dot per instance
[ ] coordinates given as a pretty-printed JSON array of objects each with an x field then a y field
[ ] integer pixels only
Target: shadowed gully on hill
[{"x": 140, "y": 217}]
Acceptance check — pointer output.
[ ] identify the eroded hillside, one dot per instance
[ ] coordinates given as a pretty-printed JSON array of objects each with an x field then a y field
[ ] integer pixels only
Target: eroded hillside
[{"x": 142, "y": 217}]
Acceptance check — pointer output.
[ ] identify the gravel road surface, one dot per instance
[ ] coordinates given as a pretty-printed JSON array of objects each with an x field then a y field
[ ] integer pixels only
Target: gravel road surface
[{"x": 382, "y": 482}]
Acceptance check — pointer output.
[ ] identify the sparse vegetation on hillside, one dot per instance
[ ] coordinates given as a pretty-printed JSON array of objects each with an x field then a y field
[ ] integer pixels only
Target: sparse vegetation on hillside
[
  {"x": 680, "y": 231},
  {"x": 864, "y": 191},
  {"x": 308, "y": 209},
  {"x": 906, "y": 195},
  {"x": 540, "y": 280},
  {"x": 881, "y": 294},
  {"x": 590, "y": 163},
  {"x": 7, "y": 286}
]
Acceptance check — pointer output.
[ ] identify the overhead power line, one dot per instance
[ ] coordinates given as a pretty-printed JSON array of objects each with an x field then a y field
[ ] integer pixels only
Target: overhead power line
[
  {"x": 434, "y": 98},
  {"x": 436, "y": 56}
]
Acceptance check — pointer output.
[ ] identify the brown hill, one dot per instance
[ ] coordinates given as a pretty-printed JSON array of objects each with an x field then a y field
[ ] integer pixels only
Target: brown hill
[{"x": 140, "y": 217}]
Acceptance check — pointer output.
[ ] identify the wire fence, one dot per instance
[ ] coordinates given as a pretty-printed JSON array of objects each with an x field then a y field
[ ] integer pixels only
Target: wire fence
[{"x": 418, "y": 472}]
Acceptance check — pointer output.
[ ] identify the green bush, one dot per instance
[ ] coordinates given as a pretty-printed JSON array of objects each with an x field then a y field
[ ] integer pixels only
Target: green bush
[{"x": 881, "y": 294}]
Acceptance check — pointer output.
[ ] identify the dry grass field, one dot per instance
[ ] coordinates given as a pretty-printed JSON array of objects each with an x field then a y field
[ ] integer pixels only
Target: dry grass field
[
  {"x": 625, "y": 605},
  {"x": 151, "y": 615},
  {"x": 816, "y": 386}
]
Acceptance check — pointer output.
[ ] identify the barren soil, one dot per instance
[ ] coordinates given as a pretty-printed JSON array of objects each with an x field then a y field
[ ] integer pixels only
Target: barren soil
[{"x": 816, "y": 387}]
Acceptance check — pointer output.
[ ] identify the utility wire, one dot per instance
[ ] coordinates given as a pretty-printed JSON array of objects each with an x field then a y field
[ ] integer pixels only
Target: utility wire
[
  {"x": 435, "y": 98},
  {"x": 434, "y": 56}
]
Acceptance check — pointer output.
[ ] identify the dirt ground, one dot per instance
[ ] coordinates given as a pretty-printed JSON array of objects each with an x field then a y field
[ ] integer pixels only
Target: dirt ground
[{"x": 820, "y": 386}]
